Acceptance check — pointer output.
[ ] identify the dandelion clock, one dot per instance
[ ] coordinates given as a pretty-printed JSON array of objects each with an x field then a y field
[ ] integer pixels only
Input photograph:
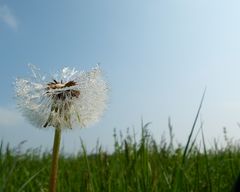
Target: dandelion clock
[{"x": 66, "y": 100}]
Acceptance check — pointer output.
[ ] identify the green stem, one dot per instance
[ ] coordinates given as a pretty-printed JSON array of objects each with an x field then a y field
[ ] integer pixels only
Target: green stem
[{"x": 55, "y": 154}]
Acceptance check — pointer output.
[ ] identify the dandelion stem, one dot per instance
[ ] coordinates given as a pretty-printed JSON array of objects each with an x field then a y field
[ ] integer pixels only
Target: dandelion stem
[{"x": 55, "y": 154}]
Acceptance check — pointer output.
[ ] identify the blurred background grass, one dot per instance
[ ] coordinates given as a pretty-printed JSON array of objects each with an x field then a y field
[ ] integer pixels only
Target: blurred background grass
[{"x": 135, "y": 165}]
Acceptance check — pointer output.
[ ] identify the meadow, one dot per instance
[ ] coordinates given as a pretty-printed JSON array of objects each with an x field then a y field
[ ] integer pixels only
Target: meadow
[{"x": 135, "y": 165}]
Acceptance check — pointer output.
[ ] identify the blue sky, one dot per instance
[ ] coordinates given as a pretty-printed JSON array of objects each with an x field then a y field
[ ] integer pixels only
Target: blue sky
[{"x": 157, "y": 57}]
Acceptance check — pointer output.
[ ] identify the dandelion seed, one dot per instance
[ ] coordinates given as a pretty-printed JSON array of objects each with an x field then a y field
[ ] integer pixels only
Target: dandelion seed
[{"x": 71, "y": 98}]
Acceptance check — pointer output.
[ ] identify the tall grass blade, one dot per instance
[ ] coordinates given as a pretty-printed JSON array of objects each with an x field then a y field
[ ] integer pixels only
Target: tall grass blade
[
  {"x": 178, "y": 182},
  {"x": 193, "y": 127},
  {"x": 30, "y": 179}
]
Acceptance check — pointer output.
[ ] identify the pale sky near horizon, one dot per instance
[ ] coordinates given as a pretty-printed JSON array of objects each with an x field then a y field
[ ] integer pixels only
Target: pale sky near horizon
[{"x": 157, "y": 56}]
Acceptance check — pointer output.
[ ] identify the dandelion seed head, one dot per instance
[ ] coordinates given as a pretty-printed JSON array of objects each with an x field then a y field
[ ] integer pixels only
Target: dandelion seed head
[{"x": 71, "y": 98}]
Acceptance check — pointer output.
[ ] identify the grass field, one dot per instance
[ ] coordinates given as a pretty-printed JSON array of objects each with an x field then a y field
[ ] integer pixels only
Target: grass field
[{"x": 140, "y": 166}]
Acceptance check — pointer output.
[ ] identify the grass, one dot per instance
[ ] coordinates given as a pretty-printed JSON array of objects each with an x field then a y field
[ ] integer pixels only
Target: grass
[{"x": 134, "y": 165}]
